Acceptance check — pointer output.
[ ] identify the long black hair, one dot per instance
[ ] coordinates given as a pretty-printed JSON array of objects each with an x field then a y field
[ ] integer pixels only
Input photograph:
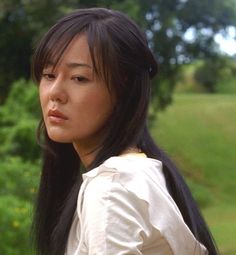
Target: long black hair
[{"x": 122, "y": 58}]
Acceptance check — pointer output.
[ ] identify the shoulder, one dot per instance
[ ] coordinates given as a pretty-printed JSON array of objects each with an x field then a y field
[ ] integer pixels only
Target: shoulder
[
  {"x": 132, "y": 190},
  {"x": 139, "y": 178},
  {"x": 128, "y": 170}
]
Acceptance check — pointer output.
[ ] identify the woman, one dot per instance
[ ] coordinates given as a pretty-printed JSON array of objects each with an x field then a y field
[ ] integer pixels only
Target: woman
[{"x": 106, "y": 188}]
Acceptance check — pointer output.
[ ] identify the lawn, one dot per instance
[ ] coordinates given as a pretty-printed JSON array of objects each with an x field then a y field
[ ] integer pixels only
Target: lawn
[{"x": 199, "y": 132}]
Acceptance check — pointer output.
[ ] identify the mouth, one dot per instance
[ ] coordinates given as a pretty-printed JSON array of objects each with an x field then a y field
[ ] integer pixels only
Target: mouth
[{"x": 56, "y": 116}]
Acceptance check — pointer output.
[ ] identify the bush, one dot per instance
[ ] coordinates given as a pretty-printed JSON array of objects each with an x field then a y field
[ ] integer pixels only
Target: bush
[
  {"x": 15, "y": 221},
  {"x": 19, "y": 117},
  {"x": 213, "y": 71},
  {"x": 19, "y": 164},
  {"x": 19, "y": 178},
  {"x": 18, "y": 185}
]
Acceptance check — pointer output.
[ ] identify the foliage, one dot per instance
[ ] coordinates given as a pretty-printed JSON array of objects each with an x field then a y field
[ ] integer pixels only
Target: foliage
[
  {"x": 18, "y": 178},
  {"x": 186, "y": 83},
  {"x": 227, "y": 82},
  {"x": 212, "y": 72},
  {"x": 227, "y": 85},
  {"x": 165, "y": 23},
  {"x": 18, "y": 121},
  {"x": 19, "y": 166},
  {"x": 192, "y": 76},
  {"x": 21, "y": 22},
  {"x": 14, "y": 224},
  {"x": 168, "y": 21},
  {"x": 18, "y": 184},
  {"x": 197, "y": 131}
]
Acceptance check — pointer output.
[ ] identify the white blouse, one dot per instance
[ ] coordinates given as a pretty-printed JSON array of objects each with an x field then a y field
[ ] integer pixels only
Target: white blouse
[{"x": 124, "y": 208}]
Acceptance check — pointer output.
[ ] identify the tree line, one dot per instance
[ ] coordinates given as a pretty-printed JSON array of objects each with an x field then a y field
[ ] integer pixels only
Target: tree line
[
  {"x": 164, "y": 21},
  {"x": 22, "y": 22}
]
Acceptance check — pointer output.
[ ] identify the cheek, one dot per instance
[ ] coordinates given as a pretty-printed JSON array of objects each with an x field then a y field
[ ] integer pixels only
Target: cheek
[
  {"x": 95, "y": 109},
  {"x": 103, "y": 104},
  {"x": 43, "y": 98}
]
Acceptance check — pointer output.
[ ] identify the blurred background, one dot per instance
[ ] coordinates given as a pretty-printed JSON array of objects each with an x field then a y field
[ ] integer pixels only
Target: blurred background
[{"x": 192, "y": 115}]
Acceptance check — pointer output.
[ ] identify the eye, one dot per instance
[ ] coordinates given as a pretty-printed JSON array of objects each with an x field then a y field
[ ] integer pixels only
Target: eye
[
  {"x": 80, "y": 79},
  {"x": 49, "y": 76}
]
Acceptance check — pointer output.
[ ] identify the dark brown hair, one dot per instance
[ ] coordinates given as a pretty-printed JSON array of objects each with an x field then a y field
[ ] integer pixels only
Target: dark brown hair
[{"x": 122, "y": 58}]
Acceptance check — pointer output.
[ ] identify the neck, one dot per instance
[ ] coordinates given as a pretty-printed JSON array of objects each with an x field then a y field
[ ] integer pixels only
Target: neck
[
  {"x": 131, "y": 150},
  {"x": 86, "y": 154}
]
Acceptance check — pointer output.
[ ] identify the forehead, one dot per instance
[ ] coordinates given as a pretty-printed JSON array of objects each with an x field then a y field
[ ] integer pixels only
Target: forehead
[{"x": 76, "y": 54}]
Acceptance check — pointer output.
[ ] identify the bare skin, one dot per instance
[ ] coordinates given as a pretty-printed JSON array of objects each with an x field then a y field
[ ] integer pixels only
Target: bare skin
[{"x": 75, "y": 103}]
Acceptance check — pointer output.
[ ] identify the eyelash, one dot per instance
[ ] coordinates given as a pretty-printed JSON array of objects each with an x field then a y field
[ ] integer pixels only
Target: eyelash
[
  {"x": 77, "y": 79},
  {"x": 48, "y": 76},
  {"x": 80, "y": 79}
]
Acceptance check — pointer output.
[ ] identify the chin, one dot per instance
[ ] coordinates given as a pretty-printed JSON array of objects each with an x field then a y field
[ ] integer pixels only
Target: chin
[{"x": 59, "y": 138}]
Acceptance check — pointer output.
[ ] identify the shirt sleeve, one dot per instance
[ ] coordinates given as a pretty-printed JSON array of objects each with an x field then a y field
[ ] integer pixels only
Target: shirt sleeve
[{"x": 113, "y": 219}]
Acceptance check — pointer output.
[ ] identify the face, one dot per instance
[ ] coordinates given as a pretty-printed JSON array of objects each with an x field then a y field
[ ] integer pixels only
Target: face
[{"x": 76, "y": 104}]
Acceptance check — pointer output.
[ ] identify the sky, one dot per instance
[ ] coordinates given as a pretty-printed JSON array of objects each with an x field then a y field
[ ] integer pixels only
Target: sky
[{"x": 228, "y": 43}]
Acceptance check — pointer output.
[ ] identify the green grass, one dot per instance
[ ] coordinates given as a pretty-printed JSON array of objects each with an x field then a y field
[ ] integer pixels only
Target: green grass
[
  {"x": 199, "y": 132},
  {"x": 222, "y": 222},
  {"x": 227, "y": 85}
]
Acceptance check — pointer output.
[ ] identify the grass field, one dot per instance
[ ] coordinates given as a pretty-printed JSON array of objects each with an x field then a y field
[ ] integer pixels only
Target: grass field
[{"x": 199, "y": 132}]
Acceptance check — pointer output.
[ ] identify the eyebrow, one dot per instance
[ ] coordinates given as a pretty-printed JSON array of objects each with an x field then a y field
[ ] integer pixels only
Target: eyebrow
[
  {"x": 71, "y": 65},
  {"x": 74, "y": 65}
]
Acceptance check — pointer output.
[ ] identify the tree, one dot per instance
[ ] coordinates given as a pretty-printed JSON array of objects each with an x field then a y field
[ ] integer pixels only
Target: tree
[
  {"x": 165, "y": 22},
  {"x": 21, "y": 24},
  {"x": 213, "y": 72},
  {"x": 168, "y": 21}
]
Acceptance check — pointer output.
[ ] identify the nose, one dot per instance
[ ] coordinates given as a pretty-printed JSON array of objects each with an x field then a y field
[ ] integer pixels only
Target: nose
[{"x": 58, "y": 92}]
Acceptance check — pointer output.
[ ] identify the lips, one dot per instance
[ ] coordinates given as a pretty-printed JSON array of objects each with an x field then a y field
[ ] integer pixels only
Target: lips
[{"x": 56, "y": 116}]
